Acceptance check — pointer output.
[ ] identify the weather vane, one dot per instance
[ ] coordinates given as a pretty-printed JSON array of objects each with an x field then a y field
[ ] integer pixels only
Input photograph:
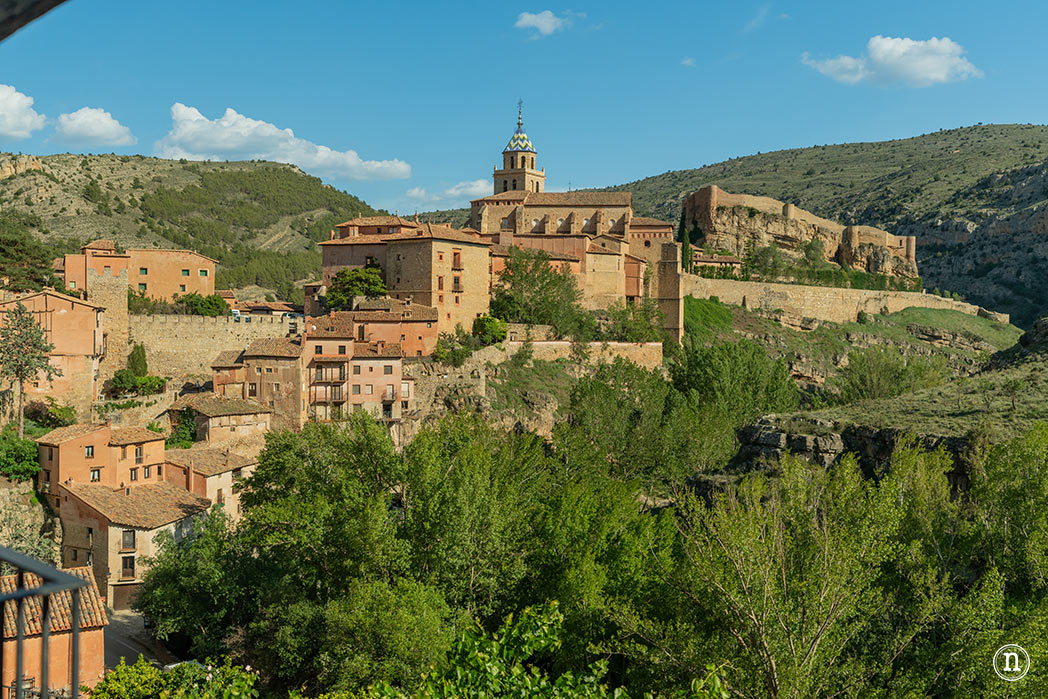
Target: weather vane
[{"x": 520, "y": 112}]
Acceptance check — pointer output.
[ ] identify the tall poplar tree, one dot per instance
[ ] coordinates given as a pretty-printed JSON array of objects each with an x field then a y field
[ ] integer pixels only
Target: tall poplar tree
[{"x": 24, "y": 354}]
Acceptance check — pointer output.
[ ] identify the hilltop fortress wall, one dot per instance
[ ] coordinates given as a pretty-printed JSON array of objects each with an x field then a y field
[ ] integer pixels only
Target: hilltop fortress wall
[
  {"x": 821, "y": 302},
  {"x": 733, "y": 221},
  {"x": 181, "y": 346}
]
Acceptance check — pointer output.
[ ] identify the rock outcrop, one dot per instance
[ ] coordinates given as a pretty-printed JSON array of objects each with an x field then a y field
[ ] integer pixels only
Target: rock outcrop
[{"x": 17, "y": 164}]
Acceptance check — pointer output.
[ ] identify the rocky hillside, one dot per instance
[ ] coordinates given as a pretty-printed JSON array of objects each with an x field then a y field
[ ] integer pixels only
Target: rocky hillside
[{"x": 259, "y": 220}]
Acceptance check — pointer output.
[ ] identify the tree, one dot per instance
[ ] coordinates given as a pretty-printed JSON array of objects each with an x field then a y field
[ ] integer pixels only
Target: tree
[
  {"x": 529, "y": 290},
  {"x": 136, "y": 361},
  {"x": 24, "y": 353},
  {"x": 25, "y": 264},
  {"x": 212, "y": 305},
  {"x": 883, "y": 372},
  {"x": 633, "y": 322},
  {"x": 365, "y": 281},
  {"x": 1013, "y": 388},
  {"x": 686, "y": 255},
  {"x": 814, "y": 252},
  {"x": 738, "y": 376},
  {"x": 489, "y": 330},
  {"x": 18, "y": 457}
]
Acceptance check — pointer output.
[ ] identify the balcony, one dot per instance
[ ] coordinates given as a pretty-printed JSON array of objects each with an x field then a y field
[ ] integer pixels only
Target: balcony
[
  {"x": 329, "y": 377},
  {"x": 28, "y": 598},
  {"x": 389, "y": 396}
]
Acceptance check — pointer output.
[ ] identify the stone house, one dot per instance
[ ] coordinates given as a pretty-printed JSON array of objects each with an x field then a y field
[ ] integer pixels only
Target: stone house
[
  {"x": 115, "y": 457},
  {"x": 273, "y": 377},
  {"x": 157, "y": 273},
  {"x": 219, "y": 417},
  {"x": 114, "y": 529},
  {"x": 76, "y": 329},
  {"x": 422, "y": 263},
  {"x": 91, "y": 640},
  {"x": 211, "y": 473}
]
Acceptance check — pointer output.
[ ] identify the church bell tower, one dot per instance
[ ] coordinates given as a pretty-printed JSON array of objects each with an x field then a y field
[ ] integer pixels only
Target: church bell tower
[{"x": 519, "y": 172}]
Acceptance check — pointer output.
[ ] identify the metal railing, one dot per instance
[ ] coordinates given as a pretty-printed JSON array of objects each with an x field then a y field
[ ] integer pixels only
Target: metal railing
[{"x": 50, "y": 581}]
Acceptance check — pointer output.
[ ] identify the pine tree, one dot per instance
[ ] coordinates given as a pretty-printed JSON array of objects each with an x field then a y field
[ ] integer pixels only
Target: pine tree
[{"x": 24, "y": 353}]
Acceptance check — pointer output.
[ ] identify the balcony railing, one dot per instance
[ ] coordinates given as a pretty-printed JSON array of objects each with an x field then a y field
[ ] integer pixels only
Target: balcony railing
[{"x": 33, "y": 579}]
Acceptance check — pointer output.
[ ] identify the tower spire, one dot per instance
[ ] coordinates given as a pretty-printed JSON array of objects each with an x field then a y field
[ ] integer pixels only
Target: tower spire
[{"x": 520, "y": 113}]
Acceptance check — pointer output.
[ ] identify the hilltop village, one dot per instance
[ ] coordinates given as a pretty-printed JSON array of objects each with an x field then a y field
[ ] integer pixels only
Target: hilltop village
[{"x": 118, "y": 476}]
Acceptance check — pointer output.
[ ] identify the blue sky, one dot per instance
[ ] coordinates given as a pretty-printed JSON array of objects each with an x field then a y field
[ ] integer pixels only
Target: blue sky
[{"x": 409, "y": 104}]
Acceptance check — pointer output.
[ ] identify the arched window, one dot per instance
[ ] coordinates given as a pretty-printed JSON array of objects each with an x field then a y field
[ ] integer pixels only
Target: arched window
[
  {"x": 647, "y": 243},
  {"x": 514, "y": 185},
  {"x": 505, "y": 223},
  {"x": 505, "y": 185},
  {"x": 536, "y": 186},
  {"x": 512, "y": 162}
]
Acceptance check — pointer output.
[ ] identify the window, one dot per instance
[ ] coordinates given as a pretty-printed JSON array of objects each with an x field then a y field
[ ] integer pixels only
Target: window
[
  {"x": 319, "y": 349},
  {"x": 96, "y": 475},
  {"x": 505, "y": 186},
  {"x": 341, "y": 372},
  {"x": 341, "y": 349},
  {"x": 50, "y": 453},
  {"x": 89, "y": 451},
  {"x": 368, "y": 389},
  {"x": 127, "y": 567},
  {"x": 138, "y": 453},
  {"x": 134, "y": 474},
  {"x": 258, "y": 370},
  {"x": 356, "y": 369},
  {"x": 128, "y": 541},
  {"x": 238, "y": 473},
  {"x": 107, "y": 269},
  {"x": 185, "y": 273},
  {"x": 647, "y": 243},
  {"x": 456, "y": 256},
  {"x": 457, "y": 300},
  {"x": 72, "y": 554},
  {"x": 47, "y": 476},
  {"x": 456, "y": 284},
  {"x": 203, "y": 273},
  {"x": 514, "y": 184},
  {"x": 404, "y": 389},
  {"x": 123, "y": 452},
  {"x": 252, "y": 390},
  {"x": 145, "y": 472},
  {"x": 72, "y": 283},
  {"x": 356, "y": 389},
  {"x": 403, "y": 405},
  {"x": 181, "y": 287},
  {"x": 159, "y": 472},
  {"x": 440, "y": 283},
  {"x": 269, "y": 370},
  {"x": 428, "y": 325},
  {"x": 143, "y": 271},
  {"x": 142, "y": 287},
  {"x": 219, "y": 497},
  {"x": 387, "y": 369}
]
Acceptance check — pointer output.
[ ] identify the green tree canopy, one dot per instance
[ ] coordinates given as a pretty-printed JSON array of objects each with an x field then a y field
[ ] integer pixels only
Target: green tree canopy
[
  {"x": 362, "y": 281},
  {"x": 24, "y": 353},
  {"x": 529, "y": 290}
]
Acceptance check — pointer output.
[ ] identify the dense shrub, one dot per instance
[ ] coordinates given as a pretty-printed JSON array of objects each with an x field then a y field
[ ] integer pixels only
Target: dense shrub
[{"x": 18, "y": 457}]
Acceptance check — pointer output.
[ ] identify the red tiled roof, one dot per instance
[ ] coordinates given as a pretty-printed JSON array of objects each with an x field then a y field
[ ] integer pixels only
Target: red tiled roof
[
  {"x": 372, "y": 350},
  {"x": 92, "y": 609},
  {"x": 215, "y": 405},
  {"x": 209, "y": 462},
  {"x": 425, "y": 231},
  {"x": 227, "y": 359},
  {"x": 562, "y": 198},
  {"x": 189, "y": 252},
  {"x": 226, "y": 293},
  {"x": 100, "y": 244},
  {"x": 274, "y": 347},
  {"x": 379, "y": 221},
  {"x": 598, "y": 250},
  {"x": 132, "y": 435},
  {"x": 144, "y": 507},
  {"x": 52, "y": 294},
  {"x": 64, "y": 434}
]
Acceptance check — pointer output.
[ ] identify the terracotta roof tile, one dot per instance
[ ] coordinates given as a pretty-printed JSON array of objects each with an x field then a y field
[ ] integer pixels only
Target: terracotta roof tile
[
  {"x": 598, "y": 250},
  {"x": 100, "y": 244},
  {"x": 145, "y": 507},
  {"x": 503, "y": 251},
  {"x": 92, "y": 609},
  {"x": 227, "y": 359},
  {"x": 425, "y": 231},
  {"x": 372, "y": 350},
  {"x": 64, "y": 434},
  {"x": 209, "y": 462},
  {"x": 379, "y": 221},
  {"x": 274, "y": 347},
  {"x": 188, "y": 252},
  {"x": 214, "y": 405},
  {"x": 583, "y": 198},
  {"x": 52, "y": 294},
  {"x": 132, "y": 435}
]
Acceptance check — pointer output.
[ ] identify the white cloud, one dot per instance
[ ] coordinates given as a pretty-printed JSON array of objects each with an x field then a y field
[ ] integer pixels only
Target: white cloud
[
  {"x": 90, "y": 126},
  {"x": 544, "y": 23},
  {"x": 758, "y": 19},
  {"x": 18, "y": 119},
  {"x": 891, "y": 60},
  {"x": 457, "y": 192},
  {"x": 688, "y": 61},
  {"x": 234, "y": 136}
]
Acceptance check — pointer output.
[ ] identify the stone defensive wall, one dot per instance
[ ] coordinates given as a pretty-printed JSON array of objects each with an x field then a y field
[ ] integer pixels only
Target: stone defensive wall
[
  {"x": 701, "y": 206},
  {"x": 645, "y": 354},
  {"x": 180, "y": 345},
  {"x": 821, "y": 302}
]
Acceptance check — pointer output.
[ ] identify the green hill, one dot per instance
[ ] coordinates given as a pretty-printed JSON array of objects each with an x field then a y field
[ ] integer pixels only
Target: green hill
[{"x": 260, "y": 220}]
